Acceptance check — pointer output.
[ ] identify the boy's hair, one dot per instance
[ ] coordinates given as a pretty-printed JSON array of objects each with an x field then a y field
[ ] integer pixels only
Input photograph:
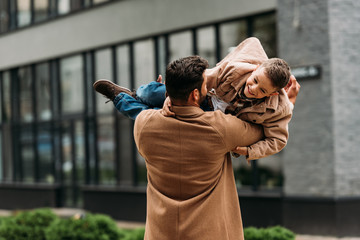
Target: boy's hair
[
  {"x": 278, "y": 71},
  {"x": 184, "y": 75}
]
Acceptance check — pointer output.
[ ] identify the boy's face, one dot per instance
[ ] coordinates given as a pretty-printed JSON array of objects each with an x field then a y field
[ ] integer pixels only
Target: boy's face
[{"x": 258, "y": 85}]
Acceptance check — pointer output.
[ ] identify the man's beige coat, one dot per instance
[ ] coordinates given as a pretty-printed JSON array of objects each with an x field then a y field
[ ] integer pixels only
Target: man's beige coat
[{"x": 191, "y": 193}]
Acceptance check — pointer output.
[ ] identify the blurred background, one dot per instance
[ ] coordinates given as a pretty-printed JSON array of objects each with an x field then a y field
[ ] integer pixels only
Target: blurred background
[{"x": 62, "y": 146}]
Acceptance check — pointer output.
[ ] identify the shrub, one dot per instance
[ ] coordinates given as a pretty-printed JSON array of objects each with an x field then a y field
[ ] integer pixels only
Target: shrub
[
  {"x": 252, "y": 233},
  {"x": 136, "y": 234},
  {"x": 90, "y": 227},
  {"x": 26, "y": 225},
  {"x": 271, "y": 233}
]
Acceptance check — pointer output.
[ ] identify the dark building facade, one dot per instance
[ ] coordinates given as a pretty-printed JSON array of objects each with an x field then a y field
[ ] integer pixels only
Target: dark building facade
[{"x": 62, "y": 146}]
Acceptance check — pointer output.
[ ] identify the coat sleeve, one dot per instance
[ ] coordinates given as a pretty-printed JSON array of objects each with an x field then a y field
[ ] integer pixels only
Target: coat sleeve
[
  {"x": 276, "y": 135},
  {"x": 250, "y": 50},
  {"x": 237, "y": 132}
]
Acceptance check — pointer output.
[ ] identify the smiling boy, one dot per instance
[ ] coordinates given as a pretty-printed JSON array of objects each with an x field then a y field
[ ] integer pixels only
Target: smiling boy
[{"x": 245, "y": 83}]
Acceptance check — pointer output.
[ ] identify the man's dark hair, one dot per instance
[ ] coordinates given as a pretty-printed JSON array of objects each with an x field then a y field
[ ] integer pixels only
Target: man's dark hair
[{"x": 184, "y": 75}]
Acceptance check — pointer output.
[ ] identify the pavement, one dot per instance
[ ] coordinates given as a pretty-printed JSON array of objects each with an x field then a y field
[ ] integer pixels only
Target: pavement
[
  {"x": 308, "y": 237},
  {"x": 68, "y": 212}
]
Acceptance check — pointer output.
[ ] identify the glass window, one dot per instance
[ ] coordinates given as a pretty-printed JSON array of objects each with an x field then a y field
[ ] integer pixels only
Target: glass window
[
  {"x": 27, "y": 154},
  {"x": 87, "y": 3},
  {"x": 80, "y": 151},
  {"x": 43, "y": 91},
  {"x": 13, "y": 14},
  {"x": 265, "y": 31},
  {"x": 67, "y": 163},
  {"x": 103, "y": 70},
  {"x": 89, "y": 82},
  {"x": 63, "y": 7},
  {"x": 4, "y": 16},
  {"x": 180, "y": 45},
  {"x": 41, "y": 8},
  {"x": 7, "y": 153},
  {"x": 162, "y": 56},
  {"x": 6, "y": 90},
  {"x": 26, "y": 94},
  {"x": 144, "y": 62},
  {"x": 91, "y": 158},
  {"x": 141, "y": 169},
  {"x": 45, "y": 149},
  {"x": 206, "y": 44},
  {"x": 24, "y": 13},
  {"x": 53, "y": 7},
  {"x": 123, "y": 66},
  {"x": 231, "y": 34},
  {"x": 72, "y": 84},
  {"x": 125, "y": 146},
  {"x": 106, "y": 148},
  {"x": 1, "y": 99},
  {"x": 76, "y": 5},
  {"x": 1, "y": 158},
  {"x": 99, "y": 1}
]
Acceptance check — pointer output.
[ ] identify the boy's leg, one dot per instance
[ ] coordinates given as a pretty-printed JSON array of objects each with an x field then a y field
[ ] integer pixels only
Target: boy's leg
[
  {"x": 124, "y": 99},
  {"x": 152, "y": 94},
  {"x": 129, "y": 106}
]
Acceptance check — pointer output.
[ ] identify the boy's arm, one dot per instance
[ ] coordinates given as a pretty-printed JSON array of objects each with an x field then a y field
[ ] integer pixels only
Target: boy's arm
[
  {"x": 276, "y": 136},
  {"x": 250, "y": 50}
]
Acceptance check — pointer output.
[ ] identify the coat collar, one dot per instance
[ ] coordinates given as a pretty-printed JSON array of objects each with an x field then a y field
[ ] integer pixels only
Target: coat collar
[
  {"x": 271, "y": 103},
  {"x": 187, "y": 111}
]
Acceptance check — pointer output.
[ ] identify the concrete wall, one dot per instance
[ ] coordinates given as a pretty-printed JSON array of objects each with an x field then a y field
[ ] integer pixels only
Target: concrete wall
[
  {"x": 322, "y": 157},
  {"x": 116, "y": 22},
  {"x": 303, "y": 39},
  {"x": 345, "y": 82}
]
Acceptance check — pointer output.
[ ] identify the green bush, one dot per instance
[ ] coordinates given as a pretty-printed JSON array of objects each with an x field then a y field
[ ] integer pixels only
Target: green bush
[
  {"x": 90, "y": 227},
  {"x": 27, "y": 225},
  {"x": 252, "y": 233},
  {"x": 271, "y": 233},
  {"x": 136, "y": 234}
]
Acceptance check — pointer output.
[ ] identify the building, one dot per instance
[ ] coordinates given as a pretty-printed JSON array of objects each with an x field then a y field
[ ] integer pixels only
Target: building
[{"x": 62, "y": 146}]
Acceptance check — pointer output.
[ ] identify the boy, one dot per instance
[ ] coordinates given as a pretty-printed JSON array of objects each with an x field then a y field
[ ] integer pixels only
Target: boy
[{"x": 245, "y": 83}]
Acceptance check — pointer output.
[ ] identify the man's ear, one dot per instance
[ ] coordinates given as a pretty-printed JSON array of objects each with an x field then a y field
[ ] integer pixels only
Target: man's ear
[{"x": 194, "y": 96}]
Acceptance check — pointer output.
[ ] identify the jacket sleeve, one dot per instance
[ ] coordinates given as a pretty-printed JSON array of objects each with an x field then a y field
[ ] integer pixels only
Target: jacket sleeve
[
  {"x": 250, "y": 50},
  {"x": 237, "y": 132},
  {"x": 276, "y": 135}
]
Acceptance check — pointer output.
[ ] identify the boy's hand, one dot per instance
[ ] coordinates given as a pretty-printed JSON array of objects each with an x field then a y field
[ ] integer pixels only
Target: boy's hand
[
  {"x": 241, "y": 150},
  {"x": 292, "y": 89},
  {"x": 166, "y": 110}
]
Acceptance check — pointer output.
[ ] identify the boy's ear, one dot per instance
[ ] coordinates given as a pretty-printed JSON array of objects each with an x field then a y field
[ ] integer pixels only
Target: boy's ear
[
  {"x": 273, "y": 94},
  {"x": 257, "y": 66}
]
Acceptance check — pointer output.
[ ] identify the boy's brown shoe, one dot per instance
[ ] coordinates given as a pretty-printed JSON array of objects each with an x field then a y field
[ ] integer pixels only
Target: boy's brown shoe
[{"x": 110, "y": 89}]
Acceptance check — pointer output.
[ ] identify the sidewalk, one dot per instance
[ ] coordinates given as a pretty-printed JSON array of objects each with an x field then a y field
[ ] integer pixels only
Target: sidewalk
[{"x": 307, "y": 237}]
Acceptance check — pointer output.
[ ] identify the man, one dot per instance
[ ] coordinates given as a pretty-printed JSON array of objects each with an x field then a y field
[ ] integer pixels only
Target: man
[{"x": 191, "y": 193}]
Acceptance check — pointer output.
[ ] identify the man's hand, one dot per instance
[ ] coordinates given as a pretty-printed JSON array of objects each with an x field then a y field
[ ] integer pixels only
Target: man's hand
[
  {"x": 292, "y": 89},
  {"x": 159, "y": 80},
  {"x": 166, "y": 110}
]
